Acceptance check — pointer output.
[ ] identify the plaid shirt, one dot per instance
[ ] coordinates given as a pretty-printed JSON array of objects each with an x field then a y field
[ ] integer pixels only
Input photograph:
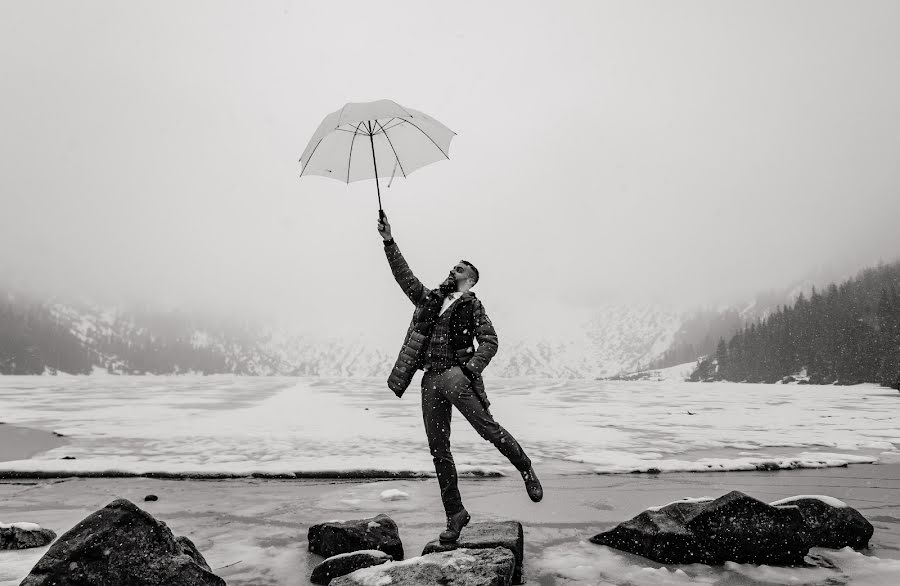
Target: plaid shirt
[{"x": 438, "y": 353}]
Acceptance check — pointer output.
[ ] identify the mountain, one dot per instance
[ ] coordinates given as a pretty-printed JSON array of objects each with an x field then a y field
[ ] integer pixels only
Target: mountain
[{"x": 38, "y": 337}]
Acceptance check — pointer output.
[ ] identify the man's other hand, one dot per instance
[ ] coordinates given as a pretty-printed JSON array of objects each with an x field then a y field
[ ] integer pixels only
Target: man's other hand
[{"x": 384, "y": 227}]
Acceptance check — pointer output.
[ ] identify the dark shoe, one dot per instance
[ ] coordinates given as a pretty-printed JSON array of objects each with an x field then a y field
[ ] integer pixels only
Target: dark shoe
[
  {"x": 532, "y": 484},
  {"x": 455, "y": 523}
]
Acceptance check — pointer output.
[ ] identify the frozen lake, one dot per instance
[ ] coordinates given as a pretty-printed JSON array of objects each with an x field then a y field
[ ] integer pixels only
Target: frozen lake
[{"x": 244, "y": 425}]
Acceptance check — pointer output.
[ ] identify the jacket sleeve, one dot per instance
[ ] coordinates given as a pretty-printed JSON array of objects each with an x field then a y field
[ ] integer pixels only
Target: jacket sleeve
[
  {"x": 414, "y": 289},
  {"x": 487, "y": 340}
]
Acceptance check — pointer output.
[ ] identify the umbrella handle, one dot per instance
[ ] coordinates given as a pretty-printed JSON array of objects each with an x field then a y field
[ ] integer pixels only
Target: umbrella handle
[{"x": 381, "y": 214}]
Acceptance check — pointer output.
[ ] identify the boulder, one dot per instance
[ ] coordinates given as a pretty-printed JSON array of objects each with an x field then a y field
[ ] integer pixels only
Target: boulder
[
  {"x": 124, "y": 545},
  {"x": 24, "y": 536},
  {"x": 831, "y": 522},
  {"x": 344, "y": 563},
  {"x": 745, "y": 530},
  {"x": 658, "y": 536},
  {"x": 460, "y": 567},
  {"x": 734, "y": 527},
  {"x": 488, "y": 535},
  {"x": 189, "y": 549},
  {"x": 334, "y": 537}
]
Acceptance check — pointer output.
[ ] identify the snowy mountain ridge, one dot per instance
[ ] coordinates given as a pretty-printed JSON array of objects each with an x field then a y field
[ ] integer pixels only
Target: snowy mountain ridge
[{"x": 83, "y": 338}]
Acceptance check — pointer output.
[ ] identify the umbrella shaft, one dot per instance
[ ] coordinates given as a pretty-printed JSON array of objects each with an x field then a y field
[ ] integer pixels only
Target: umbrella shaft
[{"x": 372, "y": 142}]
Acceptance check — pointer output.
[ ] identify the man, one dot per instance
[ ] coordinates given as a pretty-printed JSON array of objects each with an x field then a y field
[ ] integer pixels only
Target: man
[{"x": 440, "y": 342}]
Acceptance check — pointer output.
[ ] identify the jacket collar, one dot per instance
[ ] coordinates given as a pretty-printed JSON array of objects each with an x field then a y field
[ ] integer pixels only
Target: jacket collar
[{"x": 464, "y": 298}]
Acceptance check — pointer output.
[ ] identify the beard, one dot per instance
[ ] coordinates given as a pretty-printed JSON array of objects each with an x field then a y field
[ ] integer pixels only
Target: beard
[{"x": 448, "y": 286}]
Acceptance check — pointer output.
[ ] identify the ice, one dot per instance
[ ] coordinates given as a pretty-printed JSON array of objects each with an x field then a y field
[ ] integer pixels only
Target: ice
[
  {"x": 238, "y": 426},
  {"x": 586, "y": 563}
]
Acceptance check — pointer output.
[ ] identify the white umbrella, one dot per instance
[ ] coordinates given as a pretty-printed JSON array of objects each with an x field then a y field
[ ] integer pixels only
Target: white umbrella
[{"x": 352, "y": 143}]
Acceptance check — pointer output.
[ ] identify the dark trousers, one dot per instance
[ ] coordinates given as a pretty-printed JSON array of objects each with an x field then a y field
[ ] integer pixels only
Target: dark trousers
[{"x": 441, "y": 391}]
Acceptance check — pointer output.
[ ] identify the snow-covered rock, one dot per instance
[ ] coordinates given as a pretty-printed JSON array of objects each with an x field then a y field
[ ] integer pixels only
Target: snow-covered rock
[
  {"x": 23, "y": 535},
  {"x": 734, "y": 527},
  {"x": 487, "y": 535},
  {"x": 344, "y": 563},
  {"x": 461, "y": 567},
  {"x": 335, "y": 537},
  {"x": 831, "y": 521},
  {"x": 121, "y": 544}
]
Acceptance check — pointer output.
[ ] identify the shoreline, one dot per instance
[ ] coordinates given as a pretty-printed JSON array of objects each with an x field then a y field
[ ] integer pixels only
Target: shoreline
[{"x": 254, "y": 529}]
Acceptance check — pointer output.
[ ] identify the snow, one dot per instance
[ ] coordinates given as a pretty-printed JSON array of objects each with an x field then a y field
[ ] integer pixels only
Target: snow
[
  {"x": 828, "y": 500},
  {"x": 376, "y": 574},
  {"x": 372, "y": 552},
  {"x": 586, "y": 563},
  {"x": 236, "y": 426},
  {"x": 393, "y": 494},
  {"x": 677, "y": 373},
  {"x": 21, "y": 525},
  {"x": 701, "y": 499}
]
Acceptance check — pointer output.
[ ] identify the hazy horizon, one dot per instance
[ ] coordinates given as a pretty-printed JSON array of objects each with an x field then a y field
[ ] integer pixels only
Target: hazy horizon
[{"x": 689, "y": 154}]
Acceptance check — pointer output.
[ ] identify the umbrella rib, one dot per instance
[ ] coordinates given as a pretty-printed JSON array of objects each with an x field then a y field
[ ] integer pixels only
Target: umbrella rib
[
  {"x": 350, "y": 157},
  {"x": 394, "y": 126},
  {"x": 382, "y": 127},
  {"x": 396, "y": 156},
  {"x": 429, "y": 138},
  {"x": 302, "y": 171}
]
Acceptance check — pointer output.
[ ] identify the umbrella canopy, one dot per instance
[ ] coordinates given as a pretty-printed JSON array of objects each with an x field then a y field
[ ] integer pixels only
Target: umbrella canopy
[{"x": 366, "y": 140}]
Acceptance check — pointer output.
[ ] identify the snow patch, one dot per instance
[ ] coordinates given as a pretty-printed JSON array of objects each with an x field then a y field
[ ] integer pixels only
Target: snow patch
[
  {"x": 392, "y": 494},
  {"x": 21, "y": 525},
  {"x": 687, "y": 499},
  {"x": 828, "y": 500},
  {"x": 372, "y": 552}
]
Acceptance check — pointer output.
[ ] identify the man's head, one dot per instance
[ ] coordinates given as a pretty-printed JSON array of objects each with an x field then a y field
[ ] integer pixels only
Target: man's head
[{"x": 462, "y": 277}]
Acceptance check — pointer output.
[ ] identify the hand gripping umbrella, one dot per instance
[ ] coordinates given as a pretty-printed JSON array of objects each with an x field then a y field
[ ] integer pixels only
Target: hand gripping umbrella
[{"x": 398, "y": 137}]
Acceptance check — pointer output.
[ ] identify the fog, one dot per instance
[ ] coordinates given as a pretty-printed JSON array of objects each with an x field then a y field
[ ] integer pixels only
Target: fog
[{"x": 679, "y": 153}]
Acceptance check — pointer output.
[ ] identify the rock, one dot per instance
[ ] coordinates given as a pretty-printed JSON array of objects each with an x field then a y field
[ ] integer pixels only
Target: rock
[
  {"x": 121, "y": 544},
  {"x": 188, "y": 547},
  {"x": 658, "y": 536},
  {"x": 150, "y": 498},
  {"x": 788, "y": 379},
  {"x": 832, "y": 526},
  {"x": 460, "y": 567},
  {"x": 24, "y": 536},
  {"x": 488, "y": 535},
  {"x": 745, "y": 530},
  {"x": 334, "y": 537},
  {"x": 344, "y": 563},
  {"x": 734, "y": 527}
]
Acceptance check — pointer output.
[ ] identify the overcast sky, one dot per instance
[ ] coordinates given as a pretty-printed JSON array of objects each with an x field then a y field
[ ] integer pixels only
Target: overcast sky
[{"x": 686, "y": 152}]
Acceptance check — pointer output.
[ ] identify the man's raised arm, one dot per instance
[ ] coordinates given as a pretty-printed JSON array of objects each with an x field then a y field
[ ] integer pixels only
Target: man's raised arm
[{"x": 414, "y": 289}]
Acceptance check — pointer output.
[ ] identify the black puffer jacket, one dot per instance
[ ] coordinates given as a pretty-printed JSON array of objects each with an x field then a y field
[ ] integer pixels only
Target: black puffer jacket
[{"x": 468, "y": 322}]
